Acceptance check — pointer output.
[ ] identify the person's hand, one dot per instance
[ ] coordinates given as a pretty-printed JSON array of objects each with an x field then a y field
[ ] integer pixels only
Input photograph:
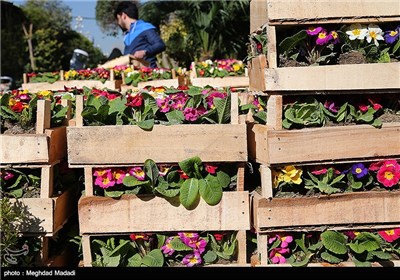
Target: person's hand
[{"x": 139, "y": 54}]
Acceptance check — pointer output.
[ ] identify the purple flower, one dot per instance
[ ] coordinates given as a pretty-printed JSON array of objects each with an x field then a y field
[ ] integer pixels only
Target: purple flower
[
  {"x": 192, "y": 259},
  {"x": 359, "y": 170},
  {"x": 331, "y": 106},
  {"x": 167, "y": 248},
  {"x": 323, "y": 37},
  {"x": 392, "y": 35},
  {"x": 313, "y": 30}
]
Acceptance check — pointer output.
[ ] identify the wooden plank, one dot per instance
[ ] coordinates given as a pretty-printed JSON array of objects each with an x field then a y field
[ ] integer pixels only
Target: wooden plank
[
  {"x": 149, "y": 213},
  {"x": 334, "y": 77},
  {"x": 258, "y": 14},
  {"x": 57, "y": 143},
  {"x": 92, "y": 146},
  {"x": 240, "y": 176},
  {"x": 316, "y": 144},
  {"x": 274, "y": 111},
  {"x": 34, "y": 148},
  {"x": 242, "y": 247},
  {"x": 65, "y": 206},
  {"x": 67, "y": 103},
  {"x": 262, "y": 248},
  {"x": 59, "y": 85},
  {"x": 46, "y": 182},
  {"x": 266, "y": 181},
  {"x": 79, "y": 103},
  {"x": 43, "y": 116},
  {"x": 159, "y": 83},
  {"x": 379, "y": 207},
  {"x": 279, "y": 10},
  {"x": 256, "y": 73},
  {"x": 272, "y": 56},
  {"x": 24, "y": 148},
  {"x": 229, "y": 81},
  {"x": 86, "y": 250},
  {"x": 88, "y": 181},
  {"x": 39, "y": 213},
  {"x": 234, "y": 108}
]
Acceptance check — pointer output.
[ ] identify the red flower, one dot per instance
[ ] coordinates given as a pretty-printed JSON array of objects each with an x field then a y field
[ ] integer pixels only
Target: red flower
[
  {"x": 218, "y": 236},
  {"x": 137, "y": 236},
  {"x": 183, "y": 87},
  {"x": 211, "y": 169},
  {"x": 183, "y": 175},
  {"x": 18, "y": 107},
  {"x": 135, "y": 101}
]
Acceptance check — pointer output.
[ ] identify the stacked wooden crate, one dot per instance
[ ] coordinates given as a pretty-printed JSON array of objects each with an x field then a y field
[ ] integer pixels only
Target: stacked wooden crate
[
  {"x": 110, "y": 83},
  {"x": 43, "y": 150},
  {"x": 126, "y": 145},
  {"x": 272, "y": 146}
]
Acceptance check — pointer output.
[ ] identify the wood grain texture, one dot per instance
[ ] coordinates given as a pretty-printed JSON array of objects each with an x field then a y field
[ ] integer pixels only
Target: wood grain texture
[
  {"x": 130, "y": 144},
  {"x": 149, "y": 213}
]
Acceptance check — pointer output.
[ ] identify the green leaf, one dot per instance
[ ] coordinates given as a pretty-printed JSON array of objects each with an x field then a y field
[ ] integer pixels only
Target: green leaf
[
  {"x": 114, "y": 194},
  {"x": 330, "y": 258},
  {"x": 210, "y": 190},
  {"x": 289, "y": 43},
  {"x": 146, "y": 124},
  {"x": 334, "y": 242},
  {"x": 117, "y": 105},
  {"x": 135, "y": 260},
  {"x": 295, "y": 263},
  {"x": 132, "y": 181},
  {"x": 189, "y": 192},
  {"x": 152, "y": 172},
  {"x": 167, "y": 192},
  {"x": 210, "y": 257},
  {"x": 365, "y": 241},
  {"x": 223, "y": 107},
  {"x": 175, "y": 117},
  {"x": 154, "y": 258},
  {"x": 188, "y": 165},
  {"x": 381, "y": 255},
  {"x": 177, "y": 244}
]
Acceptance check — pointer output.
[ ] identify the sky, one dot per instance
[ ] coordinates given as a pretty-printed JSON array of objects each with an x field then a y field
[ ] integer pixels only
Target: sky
[{"x": 88, "y": 26}]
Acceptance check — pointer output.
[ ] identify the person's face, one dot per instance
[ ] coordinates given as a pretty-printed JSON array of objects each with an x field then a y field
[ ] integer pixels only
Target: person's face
[{"x": 121, "y": 21}]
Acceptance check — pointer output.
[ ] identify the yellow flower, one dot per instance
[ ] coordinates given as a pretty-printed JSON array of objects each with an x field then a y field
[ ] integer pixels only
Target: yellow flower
[
  {"x": 237, "y": 67},
  {"x": 291, "y": 174},
  {"x": 44, "y": 93}
]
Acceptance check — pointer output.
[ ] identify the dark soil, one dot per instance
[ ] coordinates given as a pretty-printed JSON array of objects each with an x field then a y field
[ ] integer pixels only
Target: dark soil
[
  {"x": 12, "y": 128},
  {"x": 352, "y": 57},
  {"x": 283, "y": 62}
]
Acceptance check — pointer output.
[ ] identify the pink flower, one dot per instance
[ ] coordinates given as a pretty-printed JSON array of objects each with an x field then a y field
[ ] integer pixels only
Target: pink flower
[
  {"x": 119, "y": 175},
  {"x": 211, "y": 169},
  {"x": 163, "y": 104},
  {"x": 323, "y": 38},
  {"x": 192, "y": 259},
  {"x": 390, "y": 235},
  {"x": 319, "y": 172},
  {"x": 138, "y": 173},
  {"x": 313, "y": 30},
  {"x": 363, "y": 108},
  {"x": 105, "y": 181},
  {"x": 8, "y": 175},
  {"x": 134, "y": 100},
  {"x": 218, "y": 236},
  {"x": 276, "y": 255},
  {"x": 167, "y": 248},
  {"x": 389, "y": 173}
]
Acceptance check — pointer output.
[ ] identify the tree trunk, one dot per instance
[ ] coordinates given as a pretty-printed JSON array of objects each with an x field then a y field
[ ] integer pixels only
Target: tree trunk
[{"x": 29, "y": 40}]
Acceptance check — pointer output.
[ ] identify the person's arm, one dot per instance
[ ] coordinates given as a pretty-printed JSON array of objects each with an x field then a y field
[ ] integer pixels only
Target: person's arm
[{"x": 156, "y": 44}]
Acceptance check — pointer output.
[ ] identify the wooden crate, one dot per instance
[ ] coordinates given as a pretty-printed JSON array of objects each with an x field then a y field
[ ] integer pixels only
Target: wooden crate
[
  {"x": 91, "y": 145},
  {"x": 269, "y": 146},
  {"x": 265, "y": 74},
  {"x": 260, "y": 259},
  {"x": 48, "y": 145},
  {"x": 380, "y": 210},
  {"x": 373, "y": 76},
  {"x": 112, "y": 83},
  {"x": 49, "y": 212},
  {"x": 88, "y": 259}
]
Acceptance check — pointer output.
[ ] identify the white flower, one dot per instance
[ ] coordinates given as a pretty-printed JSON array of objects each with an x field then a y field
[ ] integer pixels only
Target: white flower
[
  {"x": 374, "y": 33},
  {"x": 131, "y": 73},
  {"x": 212, "y": 70},
  {"x": 357, "y": 31}
]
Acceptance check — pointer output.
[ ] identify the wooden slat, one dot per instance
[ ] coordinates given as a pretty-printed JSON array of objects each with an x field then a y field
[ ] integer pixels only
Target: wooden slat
[
  {"x": 34, "y": 148},
  {"x": 357, "y": 208},
  {"x": 258, "y": 14},
  {"x": 334, "y": 77},
  {"x": 67, "y": 103},
  {"x": 274, "y": 111},
  {"x": 266, "y": 181},
  {"x": 235, "y": 81},
  {"x": 148, "y": 213},
  {"x": 257, "y": 73},
  {"x": 43, "y": 116},
  {"x": 24, "y": 148},
  {"x": 323, "y": 144},
  {"x": 212, "y": 143},
  {"x": 79, "y": 103},
  {"x": 279, "y": 10},
  {"x": 86, "y": 250},
  {"x": 46, "y": 182},
  {"x": 59, "y": 85},
  {"x": 159, "y": 83},
  {"x": 88, "y": 181},
  {"x": 242, "y": 247}
]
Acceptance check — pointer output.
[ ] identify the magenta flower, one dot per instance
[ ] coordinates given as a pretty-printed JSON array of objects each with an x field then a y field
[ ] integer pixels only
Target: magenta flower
[
  {"x": 119, "y": 175},
  {"x": 198, "y": 244},
  {"x": 363, "y": 108},
  {"x": 7, "y": 175},
  {"x": 390, "y": 235},
  {"x": 389, "y": 173},
  {"x": 276, "y": 255},
  {"x": 359, "y": 170},
  {"x": 313, "y": 30},
  {"x": 192, "y": 259},
  {"x": 163, "y": 104},
  {"x": 106, "y": 181},
  {"x": 211, "y": 96},
  {"x": 138, "y": 173},
  {"x": 320, "y": 171},
  {"x": 323, "y": 38},
  {"x": 286, "y": 240},
  {"x": 335, "y": 37},
  {"x": 167, "y": 248},
  {"x": 331, "y": 106},
  {"x": 210, "y": 168}
]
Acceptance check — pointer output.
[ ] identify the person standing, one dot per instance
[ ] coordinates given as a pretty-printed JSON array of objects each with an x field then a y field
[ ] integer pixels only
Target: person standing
[{"x": 141, "y": 39}]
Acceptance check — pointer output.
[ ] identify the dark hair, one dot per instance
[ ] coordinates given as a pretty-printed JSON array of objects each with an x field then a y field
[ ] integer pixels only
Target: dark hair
[{"x": 127, "y": 7}]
